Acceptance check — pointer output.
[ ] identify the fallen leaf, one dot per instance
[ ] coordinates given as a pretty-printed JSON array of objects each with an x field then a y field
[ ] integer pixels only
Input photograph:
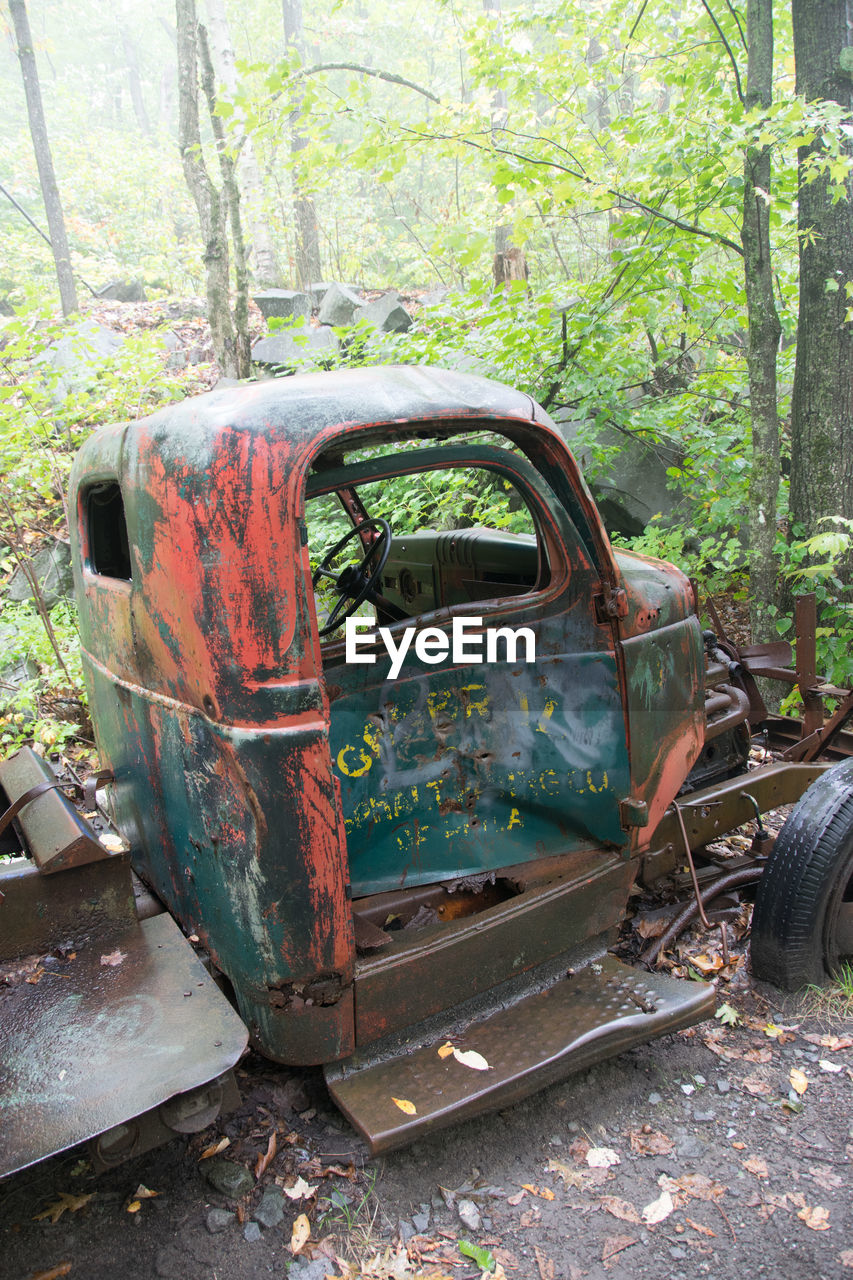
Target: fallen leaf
[
  {"x": 215, "y": 1149},
  {"x": 547, "y": 1269},
  {"x": 772, "y": 1031},
  {"x": 579, "y": 1148},
  {"x": 262, "y": 1162},
  {"x": 706, "y": 964},
  {"x": 658, "y": 1209},
  {"x": 530, "y": 1217},
  {"x": 846, "y": 1258},
  {"x": 756, "y": 1086},
  {"x": 404, "y": 1105},
  {"x": 614, "y": 1245},
  {"x": 834, "y": 1067},
  {"x": 114, "y": 843},
  {"x": 61, "y": 1269},
  {"x": 831, "y": 1042},
  {"x": 114, "y": 958},
  {"x": 700, "y": 1227},
  {"x": 445, "y": 1050},
  {"x": 696, "y": 1185},
  {"x": 764, "y": 1054},
  {"x": 134, "y": 1206},
  {"x": 721, "y": 1050},
  {"x": 825, "y": 1178},
  {"x": 483, "y": 1257},
  {"x": 756, "y": 1166},
  {"x": 470, "y": 1058},
  {"x": 543, "y": 1192},
  {"x": 301, "y": 1190},
  {"x": 799, "y": 1080},
  {"x": 143, "y": 1193},
  {"x": 817, "y": 1218},
  {"x": 651, "y": 1144},
  {"x": 300, "y": 1234},
  {"x": 728, "y": 1015},
  {"x": 622, "y": 1209},
  {"x": 71, "y": 1203},
  {"x": 517, "y": 1198},
  {"x": 601, "y": 1158}
]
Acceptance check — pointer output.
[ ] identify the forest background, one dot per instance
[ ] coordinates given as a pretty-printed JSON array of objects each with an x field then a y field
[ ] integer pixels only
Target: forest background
[{"x": 641, "y": 214}]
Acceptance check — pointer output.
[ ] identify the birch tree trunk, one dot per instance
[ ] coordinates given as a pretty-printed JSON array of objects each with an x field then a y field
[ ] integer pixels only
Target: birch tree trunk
[
  {"x": 308, "y": 266},
  {"x": 267, "y": 272},
  {"x": 208, "y": 200},
  {"x": 44, "y": 160},
  {"x": 764, "y": 329}
]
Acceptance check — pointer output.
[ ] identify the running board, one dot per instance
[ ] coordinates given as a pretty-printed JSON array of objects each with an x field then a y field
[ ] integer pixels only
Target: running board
[{"x": 590, "y": 1015}]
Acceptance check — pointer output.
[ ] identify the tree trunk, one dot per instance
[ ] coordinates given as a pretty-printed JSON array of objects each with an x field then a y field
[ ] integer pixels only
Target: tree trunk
[
  {"x": 208, "y": 201},
  {"x": 267, "y": 267},
  {"x": 764, "y": 329},
  {"x": 133, "y": 78},
  {"x": 822, "y": 405},
  {"x": 232, "y": 195},
  {"x": 308, "y": 266},
  {"x": 41, "y": 146}
]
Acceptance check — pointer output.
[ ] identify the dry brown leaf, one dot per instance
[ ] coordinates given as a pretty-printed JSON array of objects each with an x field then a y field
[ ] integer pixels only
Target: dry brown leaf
[
  {"x": 652, "y": 1143},
  {"x": 579, "y": 1148},
  {"x": 825, "y": 1178},
  {"x": 61, "y": 1269},
  {"x": 764, "y": 1054},
  {"x": 830, "y": 1042},
  {"x": 517, "y": 1198},
  {"x": 694, "y": 1184},
  {"x": 845, "y": 1258},
  {"x": 547, "y": 1269},
  {"x": 262, "y": 1162},
  {"x": 614, "y": 1245},
  {"x": 530, "y": 1217},
  {"x": 648, "y": 929},
  {"x": 215, "y": 1148},
  {"x": 706, "y": 964},
  {"x": 134, "y": 1206},
  {"x": 622, "y": 1209},
  {"x": 114, "y": 958},
  {"x": 301, "y": 1234},
  {"x": 404, "y": 1105},
  {"x": 817, "y": 1218},
  {"x": 799, "y": 1080},
  {"x": 700, "y": 1227},
  {"x": 721, "y": 1050},
  {"x": 756, "y": 1086},
  {"x": 757, "y": 1166},
  {"x": 55, "y": 1211},
  {"x": 445, "y": 1050}
]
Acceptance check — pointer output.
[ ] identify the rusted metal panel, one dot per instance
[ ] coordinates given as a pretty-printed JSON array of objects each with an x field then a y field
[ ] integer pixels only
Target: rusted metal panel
[
  {"x": 603, "y": 1009},
  {"x": 37, "y": 912},
  {"x": 104, "y": 1036},
  {"x": 438, "y": 967},
  {"x": 55, "y": 835}
]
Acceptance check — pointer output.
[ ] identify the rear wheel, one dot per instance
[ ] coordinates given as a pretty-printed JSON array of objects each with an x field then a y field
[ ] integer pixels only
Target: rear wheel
[{"x": 802, "y": 926}]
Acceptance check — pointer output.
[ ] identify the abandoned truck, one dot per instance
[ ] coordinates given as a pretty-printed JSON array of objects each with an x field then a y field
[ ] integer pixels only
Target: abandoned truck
[{"x": 356, "y": 869}]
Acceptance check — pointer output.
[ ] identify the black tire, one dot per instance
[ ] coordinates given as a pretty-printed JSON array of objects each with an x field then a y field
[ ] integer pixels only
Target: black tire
[{"x": 802, "y": 925}]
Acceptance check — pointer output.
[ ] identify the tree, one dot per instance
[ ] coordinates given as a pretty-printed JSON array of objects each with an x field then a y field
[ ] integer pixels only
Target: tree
[
  {"x": 822, "y": 406},
  {"x": 308, "y": 267},
  {"x": 764, "y": 327},
  {"x": 230, "y": 347},
  {"x": 44, "y": 160}
]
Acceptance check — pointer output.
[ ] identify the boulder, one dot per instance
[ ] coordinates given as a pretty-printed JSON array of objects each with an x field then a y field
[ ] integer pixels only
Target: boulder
[
  {"x": 123, "y": 291},
  {"x": 288, "y": 348},
  {"x": 387, "y": 314},
  {"x": 339, "y": 305},
  {"x": 77, "y": 355},
  {"x": 52, "y": 568},
  {"x": 282, "y": 303}
]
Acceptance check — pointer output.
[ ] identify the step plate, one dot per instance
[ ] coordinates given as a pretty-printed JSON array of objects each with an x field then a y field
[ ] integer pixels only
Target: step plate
[
  {"x": 582, "y": 1019},
  {"x": 95, "y": 1042}
]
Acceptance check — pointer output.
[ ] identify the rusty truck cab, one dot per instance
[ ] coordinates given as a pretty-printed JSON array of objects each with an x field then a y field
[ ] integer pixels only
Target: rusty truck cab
[{"x": 358, "y": 854}]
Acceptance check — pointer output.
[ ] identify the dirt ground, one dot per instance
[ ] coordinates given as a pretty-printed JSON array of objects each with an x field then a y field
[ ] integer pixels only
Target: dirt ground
[{"x": 702, "y": 1154}]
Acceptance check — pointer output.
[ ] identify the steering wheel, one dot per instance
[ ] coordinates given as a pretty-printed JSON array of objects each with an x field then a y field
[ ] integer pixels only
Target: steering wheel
[{"x": 354, "y": 583}]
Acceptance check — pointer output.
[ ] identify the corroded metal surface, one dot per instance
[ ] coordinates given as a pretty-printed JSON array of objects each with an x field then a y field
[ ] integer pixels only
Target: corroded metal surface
[
  {"x": 105, "y": 1035},
  {"x": 604, "y": 1009},
  {"x": 56, "y": 836}
]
